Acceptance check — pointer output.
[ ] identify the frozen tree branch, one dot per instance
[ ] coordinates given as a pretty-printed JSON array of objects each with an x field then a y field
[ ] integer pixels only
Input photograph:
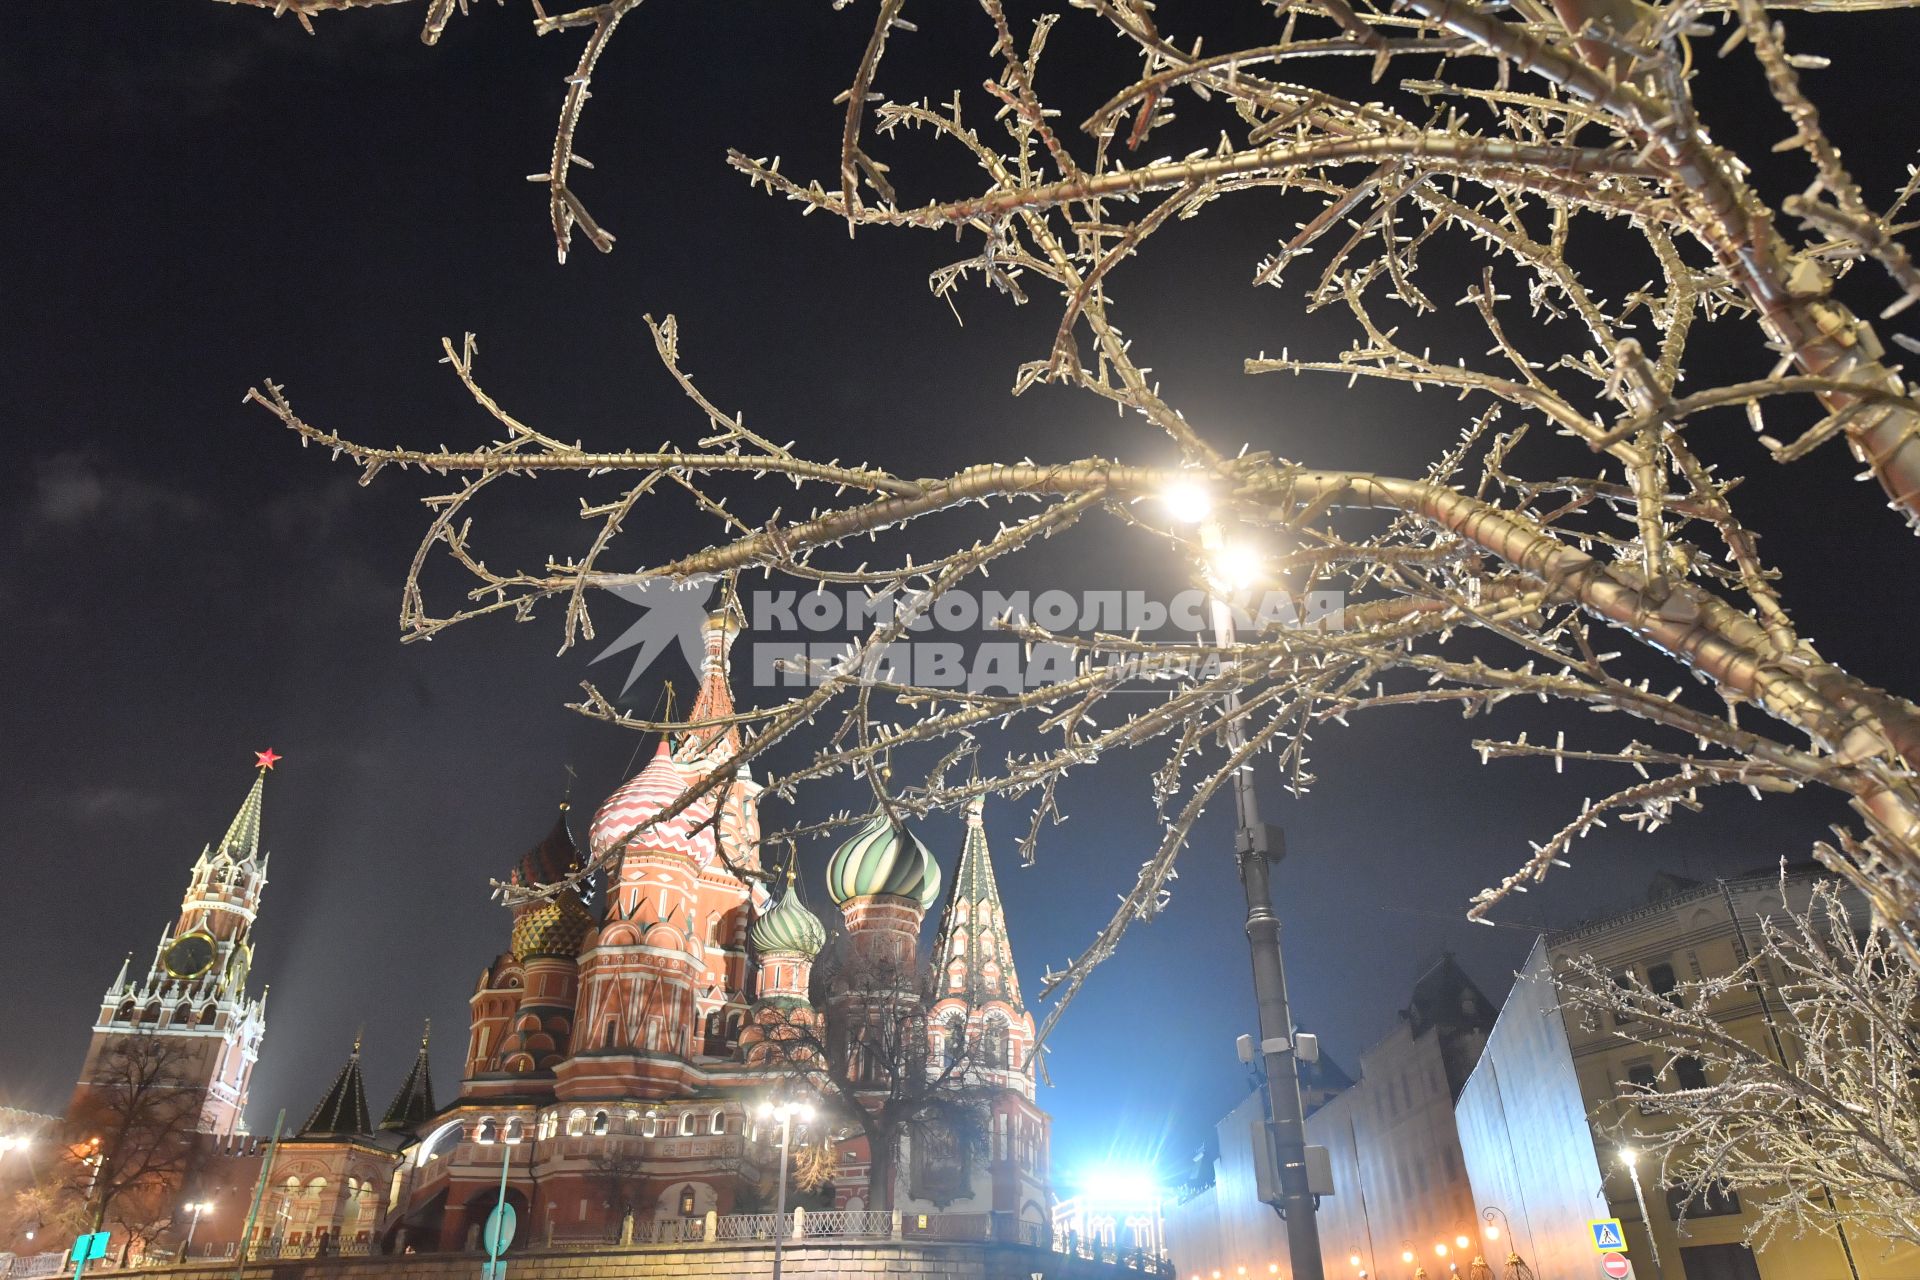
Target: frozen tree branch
[{"x": 1558, "y": 151}]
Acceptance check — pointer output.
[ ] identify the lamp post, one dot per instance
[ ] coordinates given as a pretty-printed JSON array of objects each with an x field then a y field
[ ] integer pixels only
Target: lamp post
[
  {"x": 1631, "y": 1158},
  {"x": 498, "y": 1234},
  {"x": 197, "y": 1208},
  {"x": 1225, "y": 571},
  {"x": 784, "y": 1112}
]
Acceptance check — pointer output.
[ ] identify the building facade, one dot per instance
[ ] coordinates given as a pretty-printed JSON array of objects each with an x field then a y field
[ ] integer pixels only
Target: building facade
[
  {"x": 1553, "y": 1082},
  {"x": 618, "y": 1049},
  {"x": 1401, "y": 1202}
]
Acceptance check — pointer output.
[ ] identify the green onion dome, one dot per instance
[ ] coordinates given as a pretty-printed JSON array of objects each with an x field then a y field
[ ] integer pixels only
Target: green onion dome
[
  {"x": 883, "y": 857},
  {"x": 789, "y": 927}
]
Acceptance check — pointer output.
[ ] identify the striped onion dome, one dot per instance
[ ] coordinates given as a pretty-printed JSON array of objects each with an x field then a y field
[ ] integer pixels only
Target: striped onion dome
[
  {"x": 789, "y": 927},
  {"x": 883, "y": 857},
  {"x": 652, "y": 789}
]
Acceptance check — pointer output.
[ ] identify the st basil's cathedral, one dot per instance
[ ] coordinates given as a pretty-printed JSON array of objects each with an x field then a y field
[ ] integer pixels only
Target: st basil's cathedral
[{"x": 619, "y": 1049}]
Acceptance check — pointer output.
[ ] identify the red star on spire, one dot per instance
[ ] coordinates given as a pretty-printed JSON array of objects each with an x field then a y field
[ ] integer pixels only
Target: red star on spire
[{"x": 266, "y": 759}]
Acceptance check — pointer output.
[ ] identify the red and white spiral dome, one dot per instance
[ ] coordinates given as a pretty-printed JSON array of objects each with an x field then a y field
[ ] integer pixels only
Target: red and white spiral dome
[{"x": 624, "y": 814}]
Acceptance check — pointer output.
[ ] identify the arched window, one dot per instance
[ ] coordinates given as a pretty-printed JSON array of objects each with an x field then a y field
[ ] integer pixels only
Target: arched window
[
  {"x": 151, "y": 1013},
  {"x": 489, "y": 1131},
  {"x": 514, "y": 1130},
  {"x": 717, "y": 1122},
  {"x": 952, "y": 1040},
  {"x": 209, "y": 1015},
  {"x": 183, "y": 1014},
  {"x": 650, "y": 1127},
  {"x": 125, "y": 1013},
  {"x": 689, "y": 1124},
  {"x": 599, "y": 1124},
  {"x": 576, "y": 1122},
  {"x": 993, "y": 1043}
]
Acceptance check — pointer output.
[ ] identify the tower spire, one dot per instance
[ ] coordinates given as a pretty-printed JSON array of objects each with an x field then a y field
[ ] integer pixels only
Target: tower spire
[
  {"x": 344, "y": 1109},
  {"x": 973, "y": 932},
  {"x": 413, "y": 1105},
  {"x": 243, "y": 833}
]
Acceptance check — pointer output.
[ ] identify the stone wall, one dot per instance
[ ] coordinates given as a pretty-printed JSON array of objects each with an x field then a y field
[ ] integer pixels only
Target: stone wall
[{"x": 803, "y": 1261}]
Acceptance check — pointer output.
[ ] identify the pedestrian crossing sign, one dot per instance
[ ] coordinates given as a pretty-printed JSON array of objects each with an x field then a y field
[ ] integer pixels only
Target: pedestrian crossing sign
[{"x": 1607, "y": 1236}]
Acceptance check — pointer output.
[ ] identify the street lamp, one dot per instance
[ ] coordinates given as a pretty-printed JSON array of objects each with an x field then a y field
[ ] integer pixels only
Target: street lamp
[
  {"x": 1631, "y": 1158},
  {"x": 784, "y": 1112},
  {"x": 498, "y": 1234},
  {"x": 197, "y": 1208},
  {"x": 1230, "y": 569}
]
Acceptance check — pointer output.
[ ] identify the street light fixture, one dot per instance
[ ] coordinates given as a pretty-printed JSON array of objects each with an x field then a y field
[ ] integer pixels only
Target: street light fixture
[
  {"x": 1286, "y": 1129},
  {"x": 197, "y": 1208},
  {"x": 1188, "y": 502},
  {"x": 1631, "y": 1158},
  {"x": 784, "y": 1112}
]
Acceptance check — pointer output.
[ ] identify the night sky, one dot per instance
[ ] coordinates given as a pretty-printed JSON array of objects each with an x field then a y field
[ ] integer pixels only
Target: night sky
[{"x": 201, "y": 197}]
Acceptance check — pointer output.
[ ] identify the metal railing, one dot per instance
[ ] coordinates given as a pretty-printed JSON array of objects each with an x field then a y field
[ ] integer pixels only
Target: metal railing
[
  {"x": 848, "y": 1224},
  {"x": 748, "y": 1226},
  {"x": 40, "y": 1264}
]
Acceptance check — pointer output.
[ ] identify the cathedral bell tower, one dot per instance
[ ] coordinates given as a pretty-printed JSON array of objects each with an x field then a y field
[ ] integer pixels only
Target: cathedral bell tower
[{"x": 194, "y": 992}]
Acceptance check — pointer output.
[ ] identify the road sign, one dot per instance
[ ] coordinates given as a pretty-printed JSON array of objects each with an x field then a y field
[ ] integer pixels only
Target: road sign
[
  {"x": 1616, "y": 1266},
  {"x": 498, "y": 1233},
  {"x": 1607, "y": 1236},
  {"x": 88, "y": 1247}
]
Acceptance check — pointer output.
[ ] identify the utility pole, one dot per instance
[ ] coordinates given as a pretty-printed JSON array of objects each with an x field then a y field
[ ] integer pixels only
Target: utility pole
[{"x": 1256, "y": 849}]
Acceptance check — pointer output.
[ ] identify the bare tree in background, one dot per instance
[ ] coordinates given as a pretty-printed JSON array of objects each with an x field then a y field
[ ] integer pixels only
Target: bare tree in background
[
  {"x": 621, "y": 1176},
  {"x": 1551, "y": 151},
  {"x": 1815, "y": 1119},
  {"x": 134, "y": 1137},
  {"x": 875, "y": 1066}
]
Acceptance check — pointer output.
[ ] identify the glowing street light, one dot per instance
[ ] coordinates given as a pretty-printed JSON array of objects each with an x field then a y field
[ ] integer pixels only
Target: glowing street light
[
  {"x": 1188, "y": 502},
  {"x": 784, "y": 1112},
  {"x": 197, "y": 1208},
  {"x": 1631, "y": 1158}
]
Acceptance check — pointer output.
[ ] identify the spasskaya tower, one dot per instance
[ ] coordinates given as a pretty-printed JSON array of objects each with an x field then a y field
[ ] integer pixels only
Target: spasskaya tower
[{"x": 194, "y": 992}]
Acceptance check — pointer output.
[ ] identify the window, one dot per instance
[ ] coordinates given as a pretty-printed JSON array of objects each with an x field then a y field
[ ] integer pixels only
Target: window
[
  {"x": 1624, "y": 981},
  {"x": 612, "y": 1033},
  {"x": 687, "y": 1201},
  {"x": 1690, "y": 1072},
  {"x": 489, "y": 1132},
  {"x": 1641, "y": 1074},
  {"x": 650, "y": 1127},
  {"x": 599, "y": 1124},
  {"x": 1717, "y": 1200},
  {"x": 1660, "y": 978},
  {"x": 689, "y": 1124},
  {"x": 717, "y": 1122},
  {"x": 576, "y": 1123}
]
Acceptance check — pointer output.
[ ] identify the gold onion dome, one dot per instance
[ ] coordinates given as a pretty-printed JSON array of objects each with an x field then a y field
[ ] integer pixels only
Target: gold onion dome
[
  {"x": 560, "y": 924},
  {"x": 554, "y": 928},
  {"x": 883, "y": 857},
  {"x": 789, "y": 928}
]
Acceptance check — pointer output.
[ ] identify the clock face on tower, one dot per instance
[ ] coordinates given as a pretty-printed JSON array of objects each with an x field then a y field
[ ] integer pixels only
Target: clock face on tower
[{"x": 189, "y": 955}]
